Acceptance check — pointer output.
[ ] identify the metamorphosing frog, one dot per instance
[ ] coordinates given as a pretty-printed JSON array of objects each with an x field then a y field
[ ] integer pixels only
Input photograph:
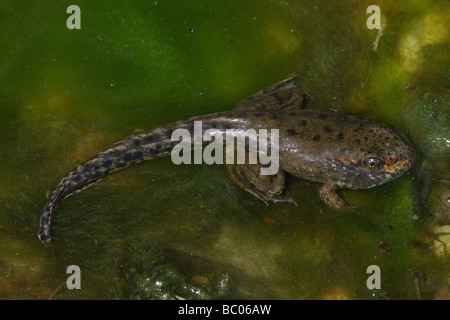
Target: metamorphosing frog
[{"x": 315, "y": 145}]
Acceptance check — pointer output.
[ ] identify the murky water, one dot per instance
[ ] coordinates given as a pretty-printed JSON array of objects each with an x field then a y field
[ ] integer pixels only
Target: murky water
[{"x": 163, "y": 231}]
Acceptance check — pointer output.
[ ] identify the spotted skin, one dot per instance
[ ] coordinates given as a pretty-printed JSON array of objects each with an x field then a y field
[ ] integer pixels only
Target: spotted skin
[{"x": 314, "y": 145}]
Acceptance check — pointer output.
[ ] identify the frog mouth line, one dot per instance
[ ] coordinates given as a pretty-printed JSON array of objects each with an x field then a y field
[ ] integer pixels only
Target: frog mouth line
[
  {"x": 353, "y": 178},
  {"x": 361, "y": 181}
]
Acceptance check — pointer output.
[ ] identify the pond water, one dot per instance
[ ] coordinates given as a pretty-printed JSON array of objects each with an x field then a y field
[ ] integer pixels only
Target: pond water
[{"x": 161, "y": 231}]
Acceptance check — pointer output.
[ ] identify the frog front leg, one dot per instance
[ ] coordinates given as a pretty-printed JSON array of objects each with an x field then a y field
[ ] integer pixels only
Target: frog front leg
[
  {"x": 264, "y": 187},
  {"x": 329, "y": 196}
]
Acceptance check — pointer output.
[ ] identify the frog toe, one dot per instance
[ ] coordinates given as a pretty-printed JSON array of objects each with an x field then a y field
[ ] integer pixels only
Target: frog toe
[
  {"x": 291, "y": 200},
  {"x": 268, "y": 198}
]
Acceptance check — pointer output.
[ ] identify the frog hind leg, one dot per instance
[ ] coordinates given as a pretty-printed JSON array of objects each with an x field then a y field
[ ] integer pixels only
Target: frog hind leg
[
  {"x": 282, "y": 96},
  {"x": 329, "y": 196},
  {"x": 264, "y": 187}
]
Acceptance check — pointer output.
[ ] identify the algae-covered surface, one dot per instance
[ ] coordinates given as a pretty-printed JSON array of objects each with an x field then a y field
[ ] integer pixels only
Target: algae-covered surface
[{"x": 162, "y": 231}]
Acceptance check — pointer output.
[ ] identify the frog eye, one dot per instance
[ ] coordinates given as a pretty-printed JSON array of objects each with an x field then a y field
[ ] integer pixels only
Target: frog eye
[{"x": 372, "y": 163}]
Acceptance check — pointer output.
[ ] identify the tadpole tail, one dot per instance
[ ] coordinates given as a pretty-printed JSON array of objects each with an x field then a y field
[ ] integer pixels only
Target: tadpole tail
[
  {"x": 126, "y": 153},
  {"x": 148, "y": 145}
]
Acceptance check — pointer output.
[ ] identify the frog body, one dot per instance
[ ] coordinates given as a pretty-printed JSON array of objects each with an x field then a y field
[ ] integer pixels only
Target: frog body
[{"x": 315, "y": 145}]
